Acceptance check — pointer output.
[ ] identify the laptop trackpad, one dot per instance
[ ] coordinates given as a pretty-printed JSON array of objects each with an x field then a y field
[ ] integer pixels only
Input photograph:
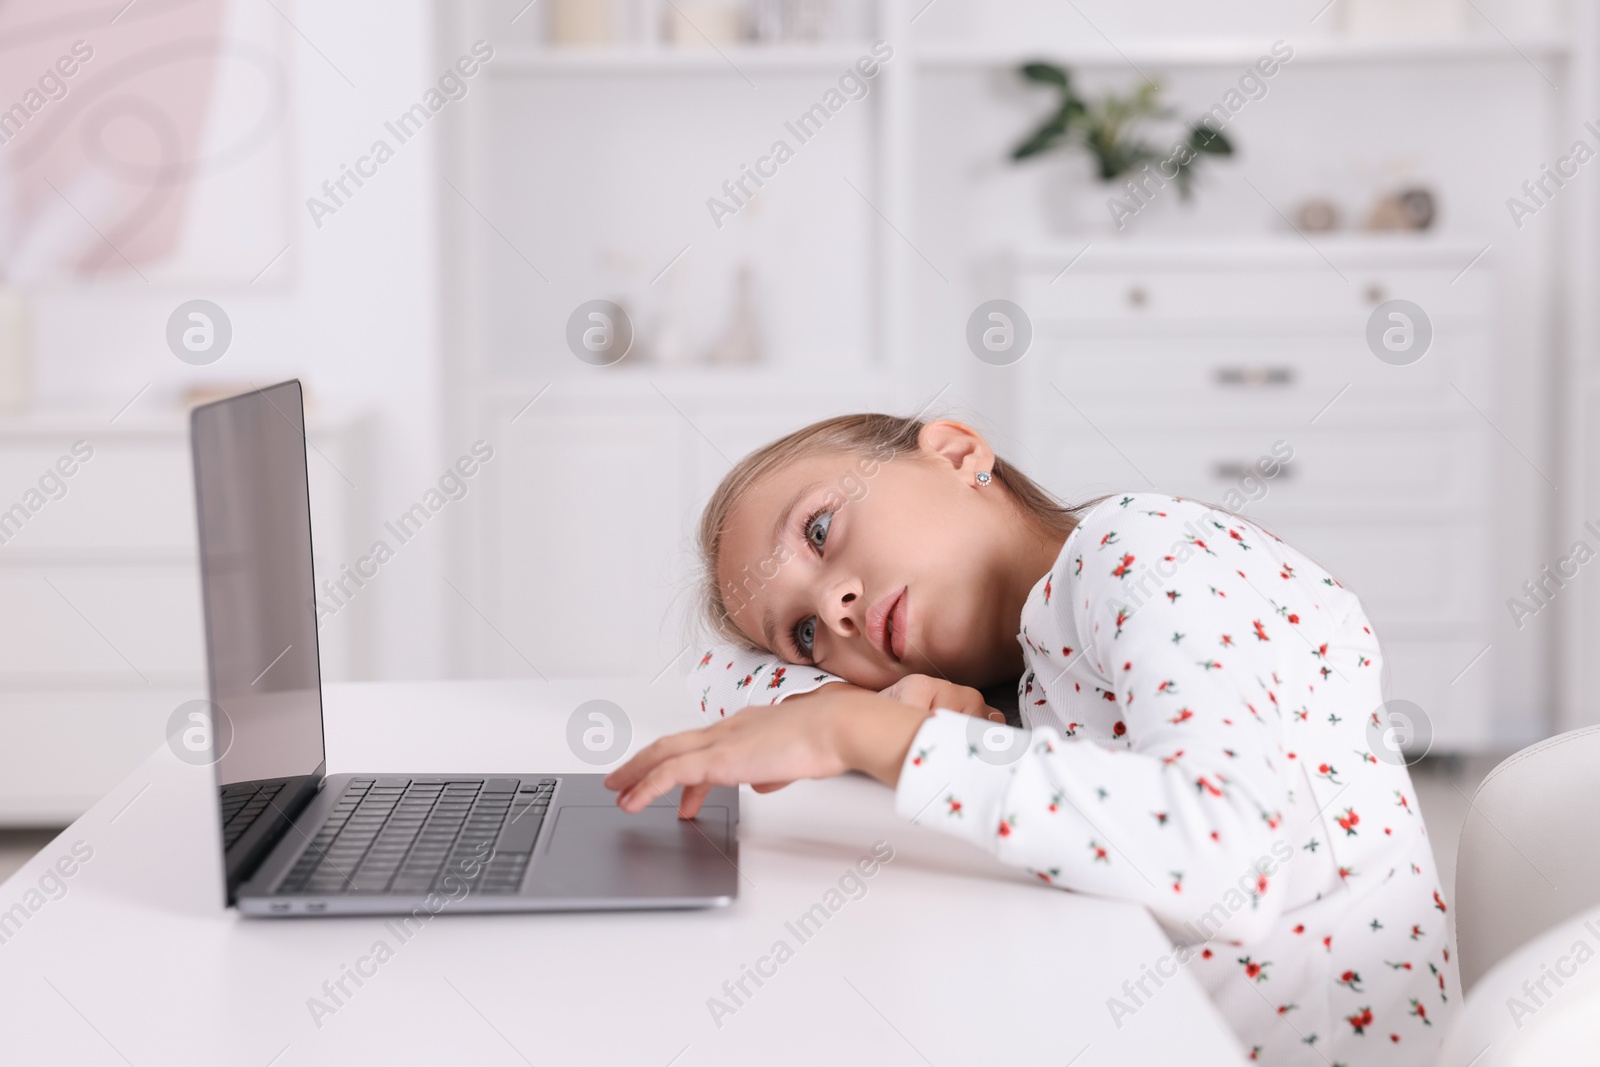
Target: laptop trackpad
[{"x": 601, "y": 851}]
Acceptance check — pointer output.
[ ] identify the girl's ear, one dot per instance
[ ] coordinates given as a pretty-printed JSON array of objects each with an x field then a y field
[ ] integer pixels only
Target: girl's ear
[{"x": 957, "y": 445}]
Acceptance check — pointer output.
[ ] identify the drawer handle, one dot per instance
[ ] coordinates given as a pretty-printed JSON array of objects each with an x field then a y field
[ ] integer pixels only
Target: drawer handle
[
  {"x": 1231, "y": 470},
  {"x": 1254, "y": 377}
]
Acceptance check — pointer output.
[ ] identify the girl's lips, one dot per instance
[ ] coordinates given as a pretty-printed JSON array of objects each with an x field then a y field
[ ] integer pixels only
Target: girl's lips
[
  {"x": 898, "y": 625},
  {"x": 886, "y": 624}
]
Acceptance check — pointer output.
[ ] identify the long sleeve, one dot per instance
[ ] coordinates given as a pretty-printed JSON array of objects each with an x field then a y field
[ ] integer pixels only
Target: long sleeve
[
  {"x": 1162, "y": 781},
  {"x": 728, "y": 678}
]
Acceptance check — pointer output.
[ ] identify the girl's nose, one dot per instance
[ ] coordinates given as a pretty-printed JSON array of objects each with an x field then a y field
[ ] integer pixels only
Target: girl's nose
[{"x": 841, "y": 608}]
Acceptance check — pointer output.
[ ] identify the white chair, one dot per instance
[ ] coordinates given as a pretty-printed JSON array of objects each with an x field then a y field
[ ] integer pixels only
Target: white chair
[
  {"x": 1530, "y": 850},
  {"x": 1537, "y": 1007}
]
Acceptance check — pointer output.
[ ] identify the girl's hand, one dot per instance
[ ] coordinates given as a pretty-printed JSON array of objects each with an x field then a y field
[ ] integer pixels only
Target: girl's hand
[
  {"x": 927, "y": 693},
  {"x": 810, "y": 735}
]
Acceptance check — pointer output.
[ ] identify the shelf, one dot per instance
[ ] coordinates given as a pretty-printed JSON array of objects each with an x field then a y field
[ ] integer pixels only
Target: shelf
[
  {"x": 664, "y": 59},
  {"x": 1226, "y": 52},
  {"x": 1268, "y": 250},
  {"x": 698, "y": 382}
]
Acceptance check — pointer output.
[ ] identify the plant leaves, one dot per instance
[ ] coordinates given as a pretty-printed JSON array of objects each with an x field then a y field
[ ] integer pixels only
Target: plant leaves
[
  {"x": 1203, "y": 138},
  {"x": 1046, "y": 74}
]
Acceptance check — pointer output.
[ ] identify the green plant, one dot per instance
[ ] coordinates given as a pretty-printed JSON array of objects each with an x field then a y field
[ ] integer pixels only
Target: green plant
[{"x": 1108, "y": 130}]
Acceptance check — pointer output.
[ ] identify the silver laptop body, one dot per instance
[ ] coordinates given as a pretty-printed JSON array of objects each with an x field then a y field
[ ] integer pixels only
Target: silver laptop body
[{"x": 297, "y": 842}]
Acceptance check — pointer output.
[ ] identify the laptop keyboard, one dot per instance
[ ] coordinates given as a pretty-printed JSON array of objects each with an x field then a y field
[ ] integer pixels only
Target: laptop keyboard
[
  {"x": 242, "y": 806},
  {"x": 416, "y": 835}
]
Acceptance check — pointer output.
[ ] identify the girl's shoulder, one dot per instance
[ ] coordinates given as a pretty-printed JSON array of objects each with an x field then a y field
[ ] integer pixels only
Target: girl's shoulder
[
  {"x": 1133, "y": 540},
  {"x": 1115, "y": 521}
]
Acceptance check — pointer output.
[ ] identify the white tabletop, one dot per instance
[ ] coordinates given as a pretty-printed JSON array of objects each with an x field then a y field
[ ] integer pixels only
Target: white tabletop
[{"x": 948, "y": 958}]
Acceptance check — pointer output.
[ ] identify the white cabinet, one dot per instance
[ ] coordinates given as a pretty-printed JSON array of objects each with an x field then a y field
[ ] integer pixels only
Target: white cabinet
[
  {"x": 1177, "y": 369},
  {"x": 101, "y": 630}
]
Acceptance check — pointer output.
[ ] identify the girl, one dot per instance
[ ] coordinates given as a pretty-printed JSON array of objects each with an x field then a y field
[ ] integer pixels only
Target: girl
[{"x": 1195, "y": 697}]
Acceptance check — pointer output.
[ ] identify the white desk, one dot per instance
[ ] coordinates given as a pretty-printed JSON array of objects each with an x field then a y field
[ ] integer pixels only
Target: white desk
[{"x": 138, "y": 962}]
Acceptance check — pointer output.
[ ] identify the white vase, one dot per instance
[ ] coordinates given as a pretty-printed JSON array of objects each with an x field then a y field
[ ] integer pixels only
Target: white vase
[{"x": 16, "y": 350}]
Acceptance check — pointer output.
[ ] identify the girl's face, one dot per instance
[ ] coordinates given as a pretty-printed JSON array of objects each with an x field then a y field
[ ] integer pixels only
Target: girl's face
[{"x": 874, "y": 570}]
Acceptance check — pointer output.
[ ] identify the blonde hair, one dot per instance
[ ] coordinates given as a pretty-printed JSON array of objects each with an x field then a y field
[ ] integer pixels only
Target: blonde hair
[{"x": 884, "y": 437}]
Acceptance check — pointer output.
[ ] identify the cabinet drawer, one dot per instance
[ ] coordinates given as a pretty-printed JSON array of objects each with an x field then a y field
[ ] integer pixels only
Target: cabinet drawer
[
  {"x": 1283, "y": 375},
  {"x": 1328, "y": 471},
  {"x": 131, "y": 494},
  {"x": 1315, "y": 291},
  {"x": 97, "y": 626}
]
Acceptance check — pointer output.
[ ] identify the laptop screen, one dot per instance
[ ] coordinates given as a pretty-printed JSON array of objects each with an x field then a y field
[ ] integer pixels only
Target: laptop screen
[{"x": 254, "y": 513}]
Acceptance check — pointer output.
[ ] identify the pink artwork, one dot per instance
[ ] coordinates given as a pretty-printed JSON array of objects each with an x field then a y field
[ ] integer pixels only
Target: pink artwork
[{"x": 110, "y": 131}]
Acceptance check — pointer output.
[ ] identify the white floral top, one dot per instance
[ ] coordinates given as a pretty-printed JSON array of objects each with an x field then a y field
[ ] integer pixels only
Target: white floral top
[{"x": 1196, "y": 705}]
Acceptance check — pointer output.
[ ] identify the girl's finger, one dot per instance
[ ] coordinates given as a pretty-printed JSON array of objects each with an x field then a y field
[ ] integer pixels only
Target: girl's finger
[
  {"x": 676, "y": 770},
  {"x": 693, "y": 796},
  {"x": 769, "y": 787},
  {"x": 652, "y": 755}
]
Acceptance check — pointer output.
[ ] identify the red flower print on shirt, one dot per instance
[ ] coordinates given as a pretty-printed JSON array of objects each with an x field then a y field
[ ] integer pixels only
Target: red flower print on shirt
[
  {"x": 777, "y": 678},
  {"x": 1253, "y": 970},
  {"x": 705, "y": 659},
  {"x": 1261, "y": 633},
  {"x": 1123, "y": 567},
  {"x": 1100, "y": 854},
  {"x": 1119, "y": 729},
  {"x": 1184, "y": 715},
  {"x": 1351, "y": 980},
  {"x": 1347, "y": 822},
  {"x": 1360, "y": 1020},
  {"x": 1420, "y": 1012},
  {"x": 1438, "y": 901}
]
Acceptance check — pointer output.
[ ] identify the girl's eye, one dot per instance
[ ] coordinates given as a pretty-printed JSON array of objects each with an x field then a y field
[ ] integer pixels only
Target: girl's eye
[
  {"x": 816, "y": 529},
  {"x": 805, "y": 634}
]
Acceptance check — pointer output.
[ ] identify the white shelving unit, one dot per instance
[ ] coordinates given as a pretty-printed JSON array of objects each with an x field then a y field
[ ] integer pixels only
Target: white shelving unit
[
  {"x": 102, "y": 637},
  {"x": 930, "y": 202}
]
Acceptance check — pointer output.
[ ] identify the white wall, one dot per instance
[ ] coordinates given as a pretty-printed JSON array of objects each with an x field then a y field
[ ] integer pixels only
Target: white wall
[{"x": 352, "y": 308}]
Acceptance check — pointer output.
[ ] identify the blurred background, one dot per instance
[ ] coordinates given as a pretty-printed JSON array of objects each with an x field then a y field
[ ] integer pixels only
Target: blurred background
[{"x": 1328, "y": 263}]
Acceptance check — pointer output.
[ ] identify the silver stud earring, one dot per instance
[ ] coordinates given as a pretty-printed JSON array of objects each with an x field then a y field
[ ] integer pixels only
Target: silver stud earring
[{"x": 984, "y": 478}]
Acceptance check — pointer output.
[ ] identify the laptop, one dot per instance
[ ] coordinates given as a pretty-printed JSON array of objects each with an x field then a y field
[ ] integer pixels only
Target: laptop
[{"x": 297, "y": 841}]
